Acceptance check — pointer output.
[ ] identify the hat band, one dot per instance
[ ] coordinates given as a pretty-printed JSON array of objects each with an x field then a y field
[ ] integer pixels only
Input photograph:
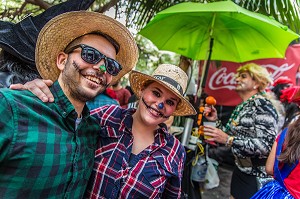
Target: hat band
[{"x": 169, "y": 81}]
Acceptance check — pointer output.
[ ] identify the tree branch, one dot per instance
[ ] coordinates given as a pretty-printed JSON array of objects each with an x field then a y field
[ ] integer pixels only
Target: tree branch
[{"x": 42, "y": 4}]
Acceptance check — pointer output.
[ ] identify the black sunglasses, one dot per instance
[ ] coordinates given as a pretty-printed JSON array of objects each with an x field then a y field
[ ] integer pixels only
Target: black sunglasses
[{"x": 93, "y": 56}]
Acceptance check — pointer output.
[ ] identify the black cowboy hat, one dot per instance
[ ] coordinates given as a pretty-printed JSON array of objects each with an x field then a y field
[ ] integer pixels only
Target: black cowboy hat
[{"x": 19, "y": 39}]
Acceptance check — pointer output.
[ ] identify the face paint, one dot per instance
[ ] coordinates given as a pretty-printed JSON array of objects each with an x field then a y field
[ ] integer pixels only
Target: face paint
[
  {"x": 102, "y": 68},
  {"x": 159, "y": 113},
  {"x": 160, "y": 105}
]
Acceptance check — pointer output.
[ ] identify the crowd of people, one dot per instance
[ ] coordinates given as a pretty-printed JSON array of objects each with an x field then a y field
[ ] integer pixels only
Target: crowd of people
[{"x": 67, "y": 131}]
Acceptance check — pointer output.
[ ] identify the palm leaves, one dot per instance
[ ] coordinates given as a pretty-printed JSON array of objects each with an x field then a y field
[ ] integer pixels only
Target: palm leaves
[{"x": 140, "y": 12}]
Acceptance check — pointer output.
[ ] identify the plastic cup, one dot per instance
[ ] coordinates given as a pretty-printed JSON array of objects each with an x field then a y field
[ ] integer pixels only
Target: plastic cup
[{"x": 213, "y": 124}]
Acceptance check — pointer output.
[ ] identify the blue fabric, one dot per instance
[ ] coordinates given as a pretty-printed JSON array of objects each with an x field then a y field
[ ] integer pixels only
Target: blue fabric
[
  {"x": 101, "y": 100},
  {"x": 276, "y": 188},
  {"x": 283, "y": 173}
]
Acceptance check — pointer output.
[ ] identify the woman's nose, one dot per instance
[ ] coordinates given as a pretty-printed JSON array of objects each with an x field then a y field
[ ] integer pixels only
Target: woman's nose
[{"x": 160, "y": 105}]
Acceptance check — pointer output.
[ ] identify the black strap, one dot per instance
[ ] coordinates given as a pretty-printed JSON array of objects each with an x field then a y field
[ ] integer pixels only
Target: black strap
[{"x": 258, "y": 162}]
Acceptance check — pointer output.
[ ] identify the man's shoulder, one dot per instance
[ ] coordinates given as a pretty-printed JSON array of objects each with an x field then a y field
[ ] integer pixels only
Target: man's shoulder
[
  {"x": 14, "y": 97},
  {"x": 6, "y": 92}
]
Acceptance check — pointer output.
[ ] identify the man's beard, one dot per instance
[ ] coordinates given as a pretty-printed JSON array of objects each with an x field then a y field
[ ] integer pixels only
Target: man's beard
[{"x": 73, "y": 87}]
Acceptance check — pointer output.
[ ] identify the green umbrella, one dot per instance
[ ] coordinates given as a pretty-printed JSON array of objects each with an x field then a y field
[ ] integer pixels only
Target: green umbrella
[{"x": 218, "y": 31}]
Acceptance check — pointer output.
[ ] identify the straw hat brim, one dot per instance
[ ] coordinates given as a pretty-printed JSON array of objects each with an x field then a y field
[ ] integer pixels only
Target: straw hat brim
[
  {"x": 137, "y": 80},
  {"x": 61, "y": 30}
]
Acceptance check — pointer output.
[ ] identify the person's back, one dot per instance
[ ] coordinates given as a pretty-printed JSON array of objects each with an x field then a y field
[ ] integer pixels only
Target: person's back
[
  {"x": 42, "y": 154},
  {"x": 101, "y": 100}
]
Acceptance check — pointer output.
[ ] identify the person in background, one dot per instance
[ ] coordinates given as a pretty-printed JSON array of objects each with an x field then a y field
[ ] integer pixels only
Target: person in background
[
  {"x": 47, "y": 149},
  {"x": 290, "y": 99},
  {"x": 105, "y": 98},
  {"x": 122, "y": 94},
  {"x": 132, "y": 101},
  {"x": 128, "y": 87},
  {"x": 280, "y": 84},
  {"x": 283, "y": 161},
  {"x": 250, "y": 131}
]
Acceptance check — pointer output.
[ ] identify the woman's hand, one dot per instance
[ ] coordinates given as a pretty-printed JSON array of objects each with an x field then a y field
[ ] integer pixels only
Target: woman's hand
[{"x": 38, "y": 87}]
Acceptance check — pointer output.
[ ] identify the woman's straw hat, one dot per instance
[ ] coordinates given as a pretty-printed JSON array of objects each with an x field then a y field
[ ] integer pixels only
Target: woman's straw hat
[
  {"x": 63, "y": 29},
  {"x": 171, "y": 77}
]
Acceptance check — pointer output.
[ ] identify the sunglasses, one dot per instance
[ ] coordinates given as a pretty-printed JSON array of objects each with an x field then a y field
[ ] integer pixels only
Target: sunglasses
[{"x": 93, "y": 56}]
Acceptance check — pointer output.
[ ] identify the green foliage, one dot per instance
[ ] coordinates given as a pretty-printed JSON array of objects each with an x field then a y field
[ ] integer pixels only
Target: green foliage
[
  {"x": 286, "y": 12},
  {"x": 16, "y": 10},
  {"x": 140, "y": 12},
  {"x": 150, "y": 57}
]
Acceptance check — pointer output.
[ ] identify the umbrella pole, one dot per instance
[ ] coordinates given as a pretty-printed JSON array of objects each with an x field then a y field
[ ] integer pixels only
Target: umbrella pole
[
  {"x": 207, "y": 63},
  {"x": 211, "y": 43}
]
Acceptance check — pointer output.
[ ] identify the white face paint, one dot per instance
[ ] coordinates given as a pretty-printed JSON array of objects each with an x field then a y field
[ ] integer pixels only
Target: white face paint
[{"x": 244, "y": 82}]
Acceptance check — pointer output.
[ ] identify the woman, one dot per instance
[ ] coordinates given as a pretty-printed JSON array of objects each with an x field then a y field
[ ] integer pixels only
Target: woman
[
  {"x": 250, "y": 131},
  {"x": 136, "y": 156},
  {"x": 283, "y": 164}
]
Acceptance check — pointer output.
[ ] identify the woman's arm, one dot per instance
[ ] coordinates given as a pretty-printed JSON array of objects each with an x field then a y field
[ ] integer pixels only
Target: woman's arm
[
  {"x": 271, "y": 160},
  {"x": 38, "y": 87}
]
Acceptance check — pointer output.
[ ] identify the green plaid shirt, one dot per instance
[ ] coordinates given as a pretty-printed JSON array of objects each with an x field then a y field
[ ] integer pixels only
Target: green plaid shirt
[{"x": 42, "y": 155}]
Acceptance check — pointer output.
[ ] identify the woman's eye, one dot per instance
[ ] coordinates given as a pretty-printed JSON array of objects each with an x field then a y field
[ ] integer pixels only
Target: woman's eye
[
  {"x": 170, "y": 102},
  {"x": 157, "y": 94}
]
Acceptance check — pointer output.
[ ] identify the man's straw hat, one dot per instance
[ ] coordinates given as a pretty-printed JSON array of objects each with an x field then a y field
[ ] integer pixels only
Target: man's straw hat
[
  {"x": 63, "y": 29},
  {"x": 171, "y": 77}
]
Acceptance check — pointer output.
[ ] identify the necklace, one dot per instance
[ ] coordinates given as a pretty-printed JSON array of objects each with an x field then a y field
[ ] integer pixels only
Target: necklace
[{"x": 236, "y": 112}]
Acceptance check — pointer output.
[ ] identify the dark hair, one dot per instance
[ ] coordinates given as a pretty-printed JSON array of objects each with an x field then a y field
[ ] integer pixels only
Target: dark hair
[
  {"x": 291, "y": 110},
  {"x": 147, "y": 83},
  {"x": 278, "y": 88},
  {"x": 291, "y": 152},
  {"x": 21, "y": 72}
]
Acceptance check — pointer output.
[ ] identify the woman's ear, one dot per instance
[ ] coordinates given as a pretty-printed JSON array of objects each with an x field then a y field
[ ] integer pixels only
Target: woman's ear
[{"x": 61, "y": 60}]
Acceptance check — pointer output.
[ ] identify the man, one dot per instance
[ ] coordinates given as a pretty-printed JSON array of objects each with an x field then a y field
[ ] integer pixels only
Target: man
[{"x": 47, "y": 149}]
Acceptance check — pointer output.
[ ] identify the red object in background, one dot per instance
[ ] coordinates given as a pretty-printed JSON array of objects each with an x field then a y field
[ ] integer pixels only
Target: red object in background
[{"x": 220, "y": 81}]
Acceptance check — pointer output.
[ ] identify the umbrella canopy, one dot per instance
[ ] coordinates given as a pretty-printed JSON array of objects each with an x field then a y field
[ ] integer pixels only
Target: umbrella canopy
[{"x": 218, "y": 31}]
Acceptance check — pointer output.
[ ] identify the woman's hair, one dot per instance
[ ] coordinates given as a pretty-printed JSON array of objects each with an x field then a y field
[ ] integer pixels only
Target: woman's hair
[
  {"x": 146, "y": 84},
  {"x": 291, "y": 111},
  {"x": 258, "y": 73},
  {"x": 291, "y": 152}
]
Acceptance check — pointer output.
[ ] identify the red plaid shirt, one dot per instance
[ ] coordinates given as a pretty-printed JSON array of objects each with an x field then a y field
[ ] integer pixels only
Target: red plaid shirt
[{"x": 154, "y": 173}]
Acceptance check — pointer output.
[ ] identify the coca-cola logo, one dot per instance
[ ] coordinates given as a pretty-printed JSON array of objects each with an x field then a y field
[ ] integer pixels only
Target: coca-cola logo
[{"x": 221, "y": 79}]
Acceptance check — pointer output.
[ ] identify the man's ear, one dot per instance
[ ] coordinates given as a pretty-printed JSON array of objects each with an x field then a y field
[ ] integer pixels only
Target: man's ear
[{"x": 61, "y": 60}]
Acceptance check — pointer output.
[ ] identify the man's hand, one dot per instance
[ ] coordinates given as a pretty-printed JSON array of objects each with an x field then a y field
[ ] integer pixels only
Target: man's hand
[
  {"x": 38, "y": 87},
  {"x": 210, "y": 113}
]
